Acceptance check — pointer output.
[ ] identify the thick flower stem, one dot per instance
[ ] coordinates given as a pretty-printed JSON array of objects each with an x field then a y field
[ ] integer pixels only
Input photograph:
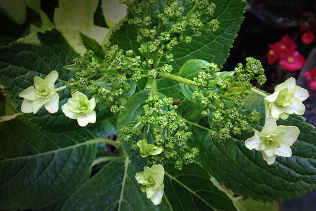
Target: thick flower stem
[
  {"x": 258, "y": 92},
  {"x": 104, "y": 159},
  {"x": 115, "y": 144},
  {"x": 178, "y": 78},
  {"x": 191, "y": 11},
  {"x": 60, "y": 88}
]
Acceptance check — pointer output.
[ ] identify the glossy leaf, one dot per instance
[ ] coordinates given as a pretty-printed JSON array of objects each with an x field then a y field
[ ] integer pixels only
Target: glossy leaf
[
  {"x": 190, "y": 70},
  {"x": 38, "y": 168},
  {"x": 245, "y": 172},
  {"x": 38, "y": 55},
  {"x": 191, "y": 189},
  {"x": 113, "y": 188},
  {"x": 209, "y": 47}
]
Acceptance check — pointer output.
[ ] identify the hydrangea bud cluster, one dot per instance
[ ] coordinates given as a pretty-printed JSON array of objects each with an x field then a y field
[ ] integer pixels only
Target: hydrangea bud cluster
[
  {"x": 175, "y": 24},
  {"x": 169, "y": 134}
]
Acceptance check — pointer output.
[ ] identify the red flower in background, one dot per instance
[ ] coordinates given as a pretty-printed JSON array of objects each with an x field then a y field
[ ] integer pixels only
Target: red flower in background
[
  {"x": 308, "y": 37},
  {"x": 272, "y": 56},
  {"x": 311, "y": 78},
  {"x": 285, "y": 50},
  {"x": 293, "y": 62},
  {"x": 310, "y": 75},
  {"x": 312, "y": 85}
]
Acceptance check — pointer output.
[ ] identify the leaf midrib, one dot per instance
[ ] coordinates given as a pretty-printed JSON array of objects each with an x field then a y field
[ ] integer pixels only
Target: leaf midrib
[
  {"x": 93, "y": 141},
  {"x": 191, "y": 191}
]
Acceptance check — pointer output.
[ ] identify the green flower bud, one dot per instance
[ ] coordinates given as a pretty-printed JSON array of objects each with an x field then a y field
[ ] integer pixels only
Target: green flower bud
[
  {"x": 152, "y": 182},
  {"x": 148, "y": 149}
]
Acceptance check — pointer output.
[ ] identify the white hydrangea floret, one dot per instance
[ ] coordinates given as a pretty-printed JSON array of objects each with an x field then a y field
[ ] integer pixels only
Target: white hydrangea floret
[
  {"x": 273, "y": 140},
  {"x": 80, "y": 108},
  {"x": 43, "y": 93},
  {"x": 287, "y": 99},
  {"x": 152, "y": 182}
]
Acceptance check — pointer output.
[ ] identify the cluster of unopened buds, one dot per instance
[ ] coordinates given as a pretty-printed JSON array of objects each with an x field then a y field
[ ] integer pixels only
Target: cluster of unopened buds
[{"x": 276, "y": 140}]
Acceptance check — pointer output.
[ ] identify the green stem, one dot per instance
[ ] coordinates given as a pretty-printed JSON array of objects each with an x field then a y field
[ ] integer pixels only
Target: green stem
[
  {"x": 154, "y": 90},
  {"x": 178, "y": 78},
  {"x": 109, "y": 70},
  {"x": 258, "y": 92},
  {"x": 60, "y": 88},
  {"x": 107, "y": 141},
  {"x": 92, "y": 76},
  {"x": 104, "y": 159},
  {"x": 191, "y": 11}
]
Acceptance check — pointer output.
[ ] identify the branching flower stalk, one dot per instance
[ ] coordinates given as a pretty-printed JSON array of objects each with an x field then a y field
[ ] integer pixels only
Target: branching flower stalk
[{"x": 158, "y": 132}]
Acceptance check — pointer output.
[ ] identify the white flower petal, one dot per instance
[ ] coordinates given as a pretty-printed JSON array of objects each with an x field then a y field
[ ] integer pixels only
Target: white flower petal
[
  {"x": 27, "y": 106},
  {"x": 38, "y": 104},
  {"x": 53, "y": 104},
  {"x": 68, "y": 112},
  {"x": 91, "y": 104},
  {"x": 270, "y": 151},
  {"x": 84, "y": 119},
  {"x": 156, "y": 199},
  {"x": 51, "y": 78},
  {"x": 270, "y": 126},
  {"x": 253, "y": 142},
  {"x": 300, "y": 93},
  {"x": 29, "y": 94},
  {"x": 271, "y": 98},
  {"x": 291, "y": 134},
  {"x": 289, "y": 83},
  {"x": 270, "y": 160},
  {"x": 73, "y": 105},
  {"x": 160, "y": 170},
  {"x": 38, "y": 82},
  {"x": 284, "y": 151},
  {"x": 276, "y": 111},
  {"x": 297, "y": 107},
  {"x": 76, "y": 95}
]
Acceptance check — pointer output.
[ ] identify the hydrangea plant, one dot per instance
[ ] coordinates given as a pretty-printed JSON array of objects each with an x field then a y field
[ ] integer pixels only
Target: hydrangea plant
[{"x": 185, "y": 128}]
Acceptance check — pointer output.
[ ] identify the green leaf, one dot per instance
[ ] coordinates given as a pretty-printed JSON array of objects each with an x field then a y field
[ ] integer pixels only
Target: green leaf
[
  {"x": 209, "y": 47},
  {"x": 190, "y": 70},
  {"x": 191, "y": 189},
  {"x": 245, "y": 172},
  {"x": 133, "y": 108},
  {"x": 38, "y": 168},
  {"x": 38, "y": 55},
  {"x": 113, "y": 188}
]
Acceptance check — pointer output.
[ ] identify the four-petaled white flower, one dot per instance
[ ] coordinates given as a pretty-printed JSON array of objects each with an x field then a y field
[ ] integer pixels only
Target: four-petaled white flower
[
  {"x": 287, "y": 99},
  {"x": 43, "y": 94},
  {"x": 273, "y": 140},
  {"x": 152, "y": 182},
  {"x": 80, "y": 108}
]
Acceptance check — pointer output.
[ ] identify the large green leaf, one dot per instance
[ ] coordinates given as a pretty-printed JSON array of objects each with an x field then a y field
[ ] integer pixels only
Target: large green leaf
[
  {"x": 38, "y": 55},
  {"x": 37, "y": 168},
  {"x": 244, "y": 171},
  {"x": 191, "y": 70},
  {"x": 113, "y": 188},
  {"x": 209, "y": 47},
  {"x": 191, "y": 189}
]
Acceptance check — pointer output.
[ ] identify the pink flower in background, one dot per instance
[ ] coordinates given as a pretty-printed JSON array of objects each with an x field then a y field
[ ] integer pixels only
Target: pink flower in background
[
  {"x": 293, "y": 62},
  {"x": 312, "y": 85},
  {"x": 308, "y": 37},
  {"x": 310, "y": 75},
  {"x": 272, "y": 56}
]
